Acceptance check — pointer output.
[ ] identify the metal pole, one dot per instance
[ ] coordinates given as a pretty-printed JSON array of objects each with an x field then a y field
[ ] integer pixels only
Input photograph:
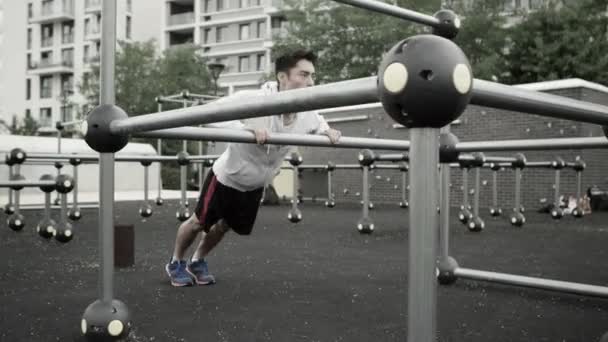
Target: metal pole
[
  {"x": 159, "y": 147},
  {"x": 532, "y": 144},
  {"x": 10, "y": 191},
  {"x": 477, "y": 191},
  {"x": 556, "y": 195},
  {"x": 365, "y": 192},
  {"x": 183, "y": 175},
  {"x": 106, "y": 160},
  {"x": 444, "y": 209},
  {"x": 392, "y": 10},
  {"x": 404, "y": 187},
  {"x": 146, "y": 184},
  {"x": 17, "y": 192},
  {"x": 422, "y": 294},
  {"x": 517, "y": 190},
  {"x": 201, "y": 168},
  {"x": 465, "y": 188},
  {"x": 330, "y": 197},
  {"x": 539, "y": 283},
  {"x": 578, "y": 189},
  {"x": 294, "y": 200},
  {"x": 75, "y": 190},
  {"x": 185, "y": 142},
  {"x": 47, "y": 207},
  {"x": 495, "y": 189}
]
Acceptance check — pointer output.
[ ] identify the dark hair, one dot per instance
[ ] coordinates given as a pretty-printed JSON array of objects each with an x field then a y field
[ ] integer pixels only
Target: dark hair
[{"x": 289, "y": 60}]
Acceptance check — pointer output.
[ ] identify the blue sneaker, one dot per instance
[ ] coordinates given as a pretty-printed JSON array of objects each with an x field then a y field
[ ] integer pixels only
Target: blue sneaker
[
  {"x": 177, "y": 273},
  {"x": 200, "y": 271}
]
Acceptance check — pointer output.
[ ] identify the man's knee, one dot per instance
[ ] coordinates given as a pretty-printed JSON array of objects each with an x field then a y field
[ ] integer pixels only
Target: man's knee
[
  {"x": 194, "y": 223},
  {"x": 221, "y": 227}
]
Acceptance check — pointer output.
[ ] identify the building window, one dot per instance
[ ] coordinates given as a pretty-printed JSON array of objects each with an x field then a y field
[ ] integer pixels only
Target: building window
[
  {"x": 244, "y": 32},
  {"x": 46, "y": 117},
  {"x": 207, "y": 6},
  {"x": 30, "y": 65},
  {"x": 67, "y": 57},
  {"x": 129, "y": 5},
  {"x": 85, "y": 54},
  {"x": 46, "y": 37},
  {"x": 220, "y": 32},
  {"x": 30, "y": 10},
  {"x": 67, "y": 33},
  {"x": 46, "y": 59},
  {"x": 29, "y": 38},
  {"x": 243, "y": 63},
  {"x": 67, "y": 84},
  {"x": 28, "y": 89},
  {"x": 47, "y": 7},
  {"x": 128, "y": 33},
  {"x": 261, "y": 33},
  {"x": 46, "y": 89},
  {"x": 206, "y": 36},
  {"x": 260, "y": 62},
  {"x": 87, "y": 26},
  {"x": 220, "y": 5},
  {"x": 244, "y": 3}
]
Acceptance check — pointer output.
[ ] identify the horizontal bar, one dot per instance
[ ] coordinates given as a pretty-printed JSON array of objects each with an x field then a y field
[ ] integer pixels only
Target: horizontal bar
[
  {"x": 119, "y": 158},
  {"x": 348, "y": 119},
  {"x": 539, "y": 283},
  {"x": 358, "y": 91},
  {"x": 392, "y": 157},
  {"x": 203, "y": 96},
  {"x": 177, "y": 100},
  {"x": 496, "y": 95},
  {"x": 26, "y": 184},
  {"x": 203, "y": 157},
  {"x": 245, "y": 136},
  {"x": 395, "y": 11},
  {"x": 532, "y": 144},
  {"x": 69, "y": 123},
  {"x": 488, "y": 159}
]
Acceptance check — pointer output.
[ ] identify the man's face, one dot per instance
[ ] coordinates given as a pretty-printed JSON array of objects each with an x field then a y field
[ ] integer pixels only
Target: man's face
[{"x": 300, "y": 76}]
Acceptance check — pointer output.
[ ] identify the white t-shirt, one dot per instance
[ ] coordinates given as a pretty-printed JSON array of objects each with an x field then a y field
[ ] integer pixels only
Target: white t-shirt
[{"x": 247, "y": 167}]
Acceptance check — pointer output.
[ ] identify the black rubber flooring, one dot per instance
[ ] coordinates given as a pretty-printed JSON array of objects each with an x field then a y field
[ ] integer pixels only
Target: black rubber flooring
[{"x": 318, "y": 280}]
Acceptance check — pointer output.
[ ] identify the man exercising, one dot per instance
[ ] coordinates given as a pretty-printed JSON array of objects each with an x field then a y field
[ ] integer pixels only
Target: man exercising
[{"x": 231, "y": 194}]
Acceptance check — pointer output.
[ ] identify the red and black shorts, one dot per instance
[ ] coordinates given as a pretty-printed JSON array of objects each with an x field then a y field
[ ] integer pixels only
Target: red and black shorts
[{"x": 217, "y": 201}]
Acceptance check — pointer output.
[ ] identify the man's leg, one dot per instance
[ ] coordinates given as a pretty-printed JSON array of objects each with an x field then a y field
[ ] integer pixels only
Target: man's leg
[
  {"x": 177, "y": 268},
  {"x": 210, "y": 240}
]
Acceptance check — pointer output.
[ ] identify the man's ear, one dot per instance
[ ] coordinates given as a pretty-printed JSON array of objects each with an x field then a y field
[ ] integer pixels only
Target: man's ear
[{"x": 282, "y": 76}]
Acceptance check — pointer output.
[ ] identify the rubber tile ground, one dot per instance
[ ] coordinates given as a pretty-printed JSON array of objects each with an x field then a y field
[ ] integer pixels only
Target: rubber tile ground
[{"x": 318, "y": 280}]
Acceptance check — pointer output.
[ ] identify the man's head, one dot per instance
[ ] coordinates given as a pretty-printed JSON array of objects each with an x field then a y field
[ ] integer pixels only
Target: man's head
[{"x": 296, "y": 69}]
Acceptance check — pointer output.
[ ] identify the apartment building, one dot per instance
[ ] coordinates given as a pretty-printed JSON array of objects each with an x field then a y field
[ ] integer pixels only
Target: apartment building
[
  {"x": 235, "y": 33},
  {"x": 49, "y": 49}
]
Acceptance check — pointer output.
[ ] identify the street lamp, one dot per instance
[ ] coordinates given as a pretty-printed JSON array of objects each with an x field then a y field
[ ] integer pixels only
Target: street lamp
[{"x": 215, "y": 69}]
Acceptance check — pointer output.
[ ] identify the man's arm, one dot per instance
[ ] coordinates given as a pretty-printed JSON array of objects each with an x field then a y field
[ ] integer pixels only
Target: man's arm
[{"x": 333, "y": 134}]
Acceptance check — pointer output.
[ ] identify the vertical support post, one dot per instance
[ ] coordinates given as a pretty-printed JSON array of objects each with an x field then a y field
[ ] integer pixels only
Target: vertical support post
[
  {"x": 294, "y": 198},
  {"x": 182, "y": 178},
  {"x": 75, "y": 190},
  {"x": 403, "y": 186},
  {"x": 444, "y": 207},
  {"x": 17, "y": 192},
  {"x": 365, "y": 192},
  {"x": 465, "y": 188},
  {"x": 422, "y": 294},
  {"x": 330, "y": 197},
  {"x": 106, "y": 160},
  {"x": 185, "y": 142},
  {"x": 201, "y": 166},
  {"x": 495, "y": 189},
  {"x": 578, "y": 188},
  {"x": 146, "y": 184},
  {"x": 10, "y": 191},
  {"x": 477, "y": 191},
  {"x": 556, "y": 194},
  {"x": 517, "y": 190},
  {"x": 47, "y": 207},
  {"x": 159, "y": 148}
]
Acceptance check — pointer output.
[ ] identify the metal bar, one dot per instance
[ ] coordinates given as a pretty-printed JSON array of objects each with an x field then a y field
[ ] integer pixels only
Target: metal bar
[
  {"x": 294, "y": 198},
  {"x": 404, "y": 186},
  {"x": 496, "y": 95},
  {"x": 244, "y": 136},
  {"x": 392, "y": 10},
  {"x": 444, "y": 211},
  {"x": 75, "y": 189},
  {"x": 167, "y": 99},
  {"x": 10, "y": 191},
  {"x": 465, "y": 187},
  {"x": 330, "y": 196},
  {"x": 26, "y": 184},
  {"x": 200, "y": 166},
  {"x": 422, "y": 294},
  {"x": 392, "y": 157},
  {"x": 93, "y": 157},
  {"x": 47, "y": 206},
  {"x": 106, "y": 162},
  {"x": 358, "y": 91},
  {"x": 183, "y": 174},
  {"x": 159, "y": 147},
  {"x": 556, "y": 193},
  {"x": 495, "y": 189},
  {"x": 532, "y": 144},
  {"x": 17, "y": 201},
  {"x": 578, "y": 188},
  {"x": 477, "y": 191},
  {"x": 533, "y": 282},
  {"x": 365, "y": 192},
  {"x": 146, "y": 184},
  {"x": 517, "y": 190},
  {"x": 348, "y": 119}
]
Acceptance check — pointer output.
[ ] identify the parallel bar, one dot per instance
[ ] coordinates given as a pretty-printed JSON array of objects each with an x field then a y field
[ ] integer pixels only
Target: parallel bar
[
  {"x": 392, "y": 10},
  {"x": 422, "y": 294},
  {"x": 346, "y": 93},
  {"x": 26, "y": 184},
  {"x": 489, "y": 159},
  {"x": 118, "y": 158},
  {"x": 539, "y": 283},
  {"x": 496, "y": 95},
  {"x": 244, "y": 136},
  {"x": 532, "y": 144},
  {"x": 392, "y": 157}
]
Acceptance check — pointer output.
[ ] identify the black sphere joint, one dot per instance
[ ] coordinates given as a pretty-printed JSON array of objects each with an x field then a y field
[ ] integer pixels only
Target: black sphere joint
[
  {"x": 476, "y": 225},
  {"x": 558, "y": 164},
  {"x": 447, "y": 148},
  {"x": 208, "y": 162},
  {"x": 159, "y": 201},
  {"x": 366, "y": 157},
  {"x": 183, "y": 214},
  {"x": 331, "y": 166},
  {"x": 577, "y": 212},
  {"x": 579, "y": 165},
  {"x": 145, "y": 210},
  {"x": 605, "y": 128},
  {"x": 519, "y": 162},
  {"x": 494, "y": 166},
  {"x": 478, "y": 159},
  {"x": 64, "y": 233},
  {"x": 64, "y": 184},
  {"x": 557, "y": 213},
  {"x": 495, "y": 212},
  {"x": 446, "y": 271},
  {"x": 58, "y": 165},
  {"x": 425, "y": 81},
  {"x": 17, "y": 178},
  {"x": 295, "y": 159},
  {"x": 146, "y": 163},
  {"x": 330, "y": 204},
  {"x": 517, "y": 219},
  {"x": 449, "y": 24},
  {"x": 9, "y": 209},
  {"x": 104, "y": 321},
  {"x": 182, "y": 158},
  {"x": 404, "y": 167},
  {"x": 365, "y": 226},
  {"x": 17, "y": 156},
  {"x": 75, "y": 161},
  {"x": 465, "y": 216},
  {"x": 74, "y": 214},
  {"x": 294, "y": 215},
  {"x": 16, "y": 222},
  {"x": 46, "y": 228},
  {"x": 47, "y": 188},
  {"x": 96, "y": 129}
]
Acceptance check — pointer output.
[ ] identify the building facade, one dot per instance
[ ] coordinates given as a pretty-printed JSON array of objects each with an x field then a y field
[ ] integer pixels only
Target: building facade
[{"x": 236, "y": 33}]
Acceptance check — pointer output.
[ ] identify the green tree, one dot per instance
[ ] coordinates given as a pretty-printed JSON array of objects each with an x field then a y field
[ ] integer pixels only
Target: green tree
[
  {"x": 27, "y": 126},
  {"x": 561, "y": 41},
  {"x": 350, "y": 41}
]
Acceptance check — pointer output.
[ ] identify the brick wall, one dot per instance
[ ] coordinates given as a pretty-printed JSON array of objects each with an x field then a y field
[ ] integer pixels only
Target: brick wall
[{"x": 476, "y": 124}]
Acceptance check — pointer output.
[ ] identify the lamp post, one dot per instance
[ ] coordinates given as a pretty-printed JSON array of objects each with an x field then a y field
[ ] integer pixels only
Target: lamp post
[{"x": 215, "y": 69}]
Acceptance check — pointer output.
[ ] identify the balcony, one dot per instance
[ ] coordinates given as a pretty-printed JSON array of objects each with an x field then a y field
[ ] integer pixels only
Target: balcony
[
  {"x": 186, "y": 18},
  {"x": 46, "y": 66},
  {"x": 67, "y": 39},
  {"x": 93, "y": 34},
  {"x": 92, "y": 6},
  {"x": 46, "y": 42},
  {"x": 53, "y": 14}
]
